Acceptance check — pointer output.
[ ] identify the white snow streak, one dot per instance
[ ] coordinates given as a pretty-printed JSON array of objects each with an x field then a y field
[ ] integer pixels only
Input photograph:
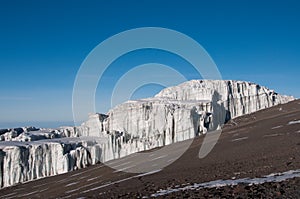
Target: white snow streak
[
  {"x": 294, "y": 122},
  {"x": 275, "y": 177},
  {"x": 277, "y": 127},
  {"x": 239, "y": 139}
]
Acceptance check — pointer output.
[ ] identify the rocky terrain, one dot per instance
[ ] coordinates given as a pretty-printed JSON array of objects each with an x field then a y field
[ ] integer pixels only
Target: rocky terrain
[
  {"x": 175, "y": 114},
  {"x": 285, "y": 189}
]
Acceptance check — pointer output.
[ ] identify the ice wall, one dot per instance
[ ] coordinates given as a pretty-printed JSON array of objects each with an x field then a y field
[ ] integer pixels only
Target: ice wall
[{"x": 175, "y": 114}]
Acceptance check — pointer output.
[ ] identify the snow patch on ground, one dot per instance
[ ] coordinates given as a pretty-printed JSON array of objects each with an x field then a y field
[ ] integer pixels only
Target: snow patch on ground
[
  {"x": 124, "y": 169},
  {"x": 123, "y": 164},
  {"x": 273, "y": 135},
  {"x": 71, "y": 191},
  {"x": 294, "y": 122},
  {"x": 274, "y": 177},
  {"x": 71, "y": 184},
  {"x": 7, "y": 195},
  {"x": 93, "y": 178},
  {"x": 277, "y": 127},
  {"x": 239, "y": 139},
  {"x": 163, "y": 156},
  {"x": 122, "y": 180}
]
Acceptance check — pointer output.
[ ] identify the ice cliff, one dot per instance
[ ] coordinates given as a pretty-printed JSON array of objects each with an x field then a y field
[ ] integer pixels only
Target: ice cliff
[{"x": 175, "y": 114}]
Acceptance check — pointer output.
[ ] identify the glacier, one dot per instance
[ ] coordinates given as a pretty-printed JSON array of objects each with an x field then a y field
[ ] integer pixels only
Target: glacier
[{"x": 175, "y": 114}]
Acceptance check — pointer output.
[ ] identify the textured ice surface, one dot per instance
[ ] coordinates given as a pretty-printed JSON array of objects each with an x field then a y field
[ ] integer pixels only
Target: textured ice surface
[{"x": 175, "y": 114}]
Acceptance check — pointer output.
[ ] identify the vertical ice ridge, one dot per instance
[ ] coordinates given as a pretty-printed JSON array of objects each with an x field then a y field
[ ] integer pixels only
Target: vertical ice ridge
[{"x": 175, "y": 114}]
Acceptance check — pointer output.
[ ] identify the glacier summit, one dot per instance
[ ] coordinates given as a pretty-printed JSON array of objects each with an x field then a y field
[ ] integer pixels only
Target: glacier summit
[{"x": 175, "y": 114}]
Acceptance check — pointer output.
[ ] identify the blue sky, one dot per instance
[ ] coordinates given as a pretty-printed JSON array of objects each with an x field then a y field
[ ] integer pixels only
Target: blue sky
[{"x": 43, "y": 43}]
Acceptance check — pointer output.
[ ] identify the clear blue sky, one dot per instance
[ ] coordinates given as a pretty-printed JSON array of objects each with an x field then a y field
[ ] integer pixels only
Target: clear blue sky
[{"x": 43, "y": 43}]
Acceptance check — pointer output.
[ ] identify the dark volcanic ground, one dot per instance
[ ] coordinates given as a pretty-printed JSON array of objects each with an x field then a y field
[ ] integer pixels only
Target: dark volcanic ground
[{"x": 250, "y": 146}]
